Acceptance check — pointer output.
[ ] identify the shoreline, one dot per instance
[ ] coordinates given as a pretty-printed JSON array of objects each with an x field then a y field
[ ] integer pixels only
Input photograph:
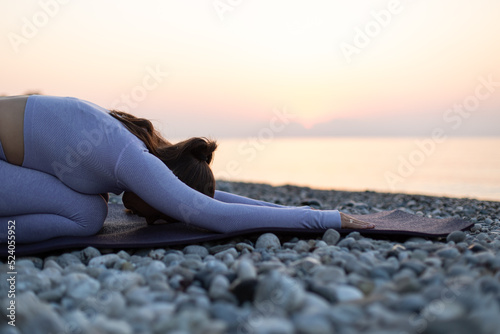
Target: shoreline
[
  {"x": 224, "y": 183},
  {"x": 337, "y": 199}
]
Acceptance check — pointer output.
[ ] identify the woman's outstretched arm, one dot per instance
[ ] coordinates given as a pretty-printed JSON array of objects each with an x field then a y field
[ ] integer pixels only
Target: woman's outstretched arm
[
  {"x": 347, "y": 221},
  {"x": 233, "y": 198},
  {"x": 145, "y": 175}
]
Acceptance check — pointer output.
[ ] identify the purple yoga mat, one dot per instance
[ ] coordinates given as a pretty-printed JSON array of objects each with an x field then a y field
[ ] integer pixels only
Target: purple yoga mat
[{"x": 122, "y": 230}]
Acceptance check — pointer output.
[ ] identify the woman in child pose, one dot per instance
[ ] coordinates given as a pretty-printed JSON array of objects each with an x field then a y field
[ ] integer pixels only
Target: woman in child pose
[{"x": 60, "y": 156}]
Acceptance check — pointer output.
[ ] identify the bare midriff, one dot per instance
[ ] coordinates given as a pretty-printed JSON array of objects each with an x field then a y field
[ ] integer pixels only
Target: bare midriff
[{"x": 11, "y": 128}]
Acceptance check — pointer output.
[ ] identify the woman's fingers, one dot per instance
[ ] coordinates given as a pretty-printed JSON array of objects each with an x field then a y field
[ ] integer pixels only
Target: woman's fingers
[{"x": 350, "y": 222}]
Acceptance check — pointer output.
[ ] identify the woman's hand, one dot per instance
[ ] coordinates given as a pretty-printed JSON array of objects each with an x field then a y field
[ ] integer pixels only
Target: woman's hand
[{"x": 350, "y": 222}]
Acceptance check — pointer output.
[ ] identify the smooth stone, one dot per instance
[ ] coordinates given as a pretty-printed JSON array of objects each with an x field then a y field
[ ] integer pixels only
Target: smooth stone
[
  {"x": 476, "y": 248},
  {"x": 220, "y": 248},
  {"x": 416, "y": 265},
  {"x": 455, "y": 326},
  {"x": 226, "y": 312},
  {"x": 448, "y": 253},
  {"x": 111, "y": 303},
  {"x": 364, "y": 284},
  {"x": 347, "y": 293},
  {"x": 54, "y": 294},
  {"x": 115, "y": 280},
  {"x": 302, "y": 246},
  {"x": 123, "y": 255},
  {"x": 155, "y": 267},
  {"x": 349, "y": 243},
  {"x": 268, "y": 241},
  {"x": 192, "y": 264},
  {"x": 326, "y": 291},
  {"x": 157, "y": 254},
  {"x": 346, "y": 315},
  {"x": 88, "y": 254},
  {"x": 106, "y": 261},
  {"x": 33, "y": 280},
  {"x": 138, "y": 295},
  {"x": 172, "y": 259},
  {"x": 476, "y": 227},
  {"x": 328, "y": 274},
  {"x": 244, "y": 246},
  {"x": 196, "y": 249},
  {"x": 272, "y": 326},
  {"x": 314, "y": 304},
  {"x": 305, "y": 264},
  {"x": 405, "y": 281},
  {"x": 52, "y": 264},
  {"x": 80, "y": 286},
  {"x": 8, "y": 329},
  {"x": 267, "y": 266},
  {"x": 111, "y": 326},
  {"x": 246, "y": 269},
  {"x": 447, "y": 311},
  {"x": 320, "y": 244},
  {"x": 287, "y": 255},
  {"x": 223, "y": 254},
  {"x": 410, "y": 303},
  {"x": 355, "y": 235},
  {"x": 67, "y": 259},
  {"x": 484, "y": 258},
  {"x": 77, "y": 322},
  {"x": 35, "y": 317},
  {"x": 312, "y": 324},
  {"x": 219, "y": 287},
  {"x": 420, "y": 254},
  {"x": 281, "y": 290},
  {"x": 216, "y": 266},
  {"x": 456, "y": 236}
]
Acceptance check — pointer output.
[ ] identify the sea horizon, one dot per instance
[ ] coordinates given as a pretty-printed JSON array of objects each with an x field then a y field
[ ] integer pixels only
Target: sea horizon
[{"x": 461, "y": 166}]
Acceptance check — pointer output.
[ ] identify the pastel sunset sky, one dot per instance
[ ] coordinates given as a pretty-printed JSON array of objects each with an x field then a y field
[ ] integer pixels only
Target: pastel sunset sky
[{"x": 227, "y": 68}]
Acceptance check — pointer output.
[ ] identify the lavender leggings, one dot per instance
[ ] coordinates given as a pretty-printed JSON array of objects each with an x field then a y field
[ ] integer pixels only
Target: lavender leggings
[{"x": 43, "y": 198}]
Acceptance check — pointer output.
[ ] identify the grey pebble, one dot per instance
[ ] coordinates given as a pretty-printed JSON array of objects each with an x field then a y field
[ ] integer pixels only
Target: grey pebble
[
  {"x": 272, "y": 325},
  {"x": 246, "y": 269},
  {"x": 312, "y": 324},
  {"x": 195, "y": 249},
  {"x": 347, "y": 293},
  {"x": 219, "y": 289},
  {"x": 268, "y": 241},
  {"x": 347, "y": 243},
  {"x": 302, "y": 246},
  {"x": 488, "y": 221},
  {"x": 448, "y": 253},
  {"x": 230, "y": 251},
  {"x": 242, "y": 245},
  {"x": 411, "y": 302},
  {"x": 106, "y": 261},
  {"x": 89, "y": 253},
  {"x": 456, "y": 236},
  {"x": 110, "y": 326},
  {"x": 282, "y": 291},
  {"x": 36, "y": 317},
  {"x": 80, "y": 286},
  {"x": 123, "y": 255}
]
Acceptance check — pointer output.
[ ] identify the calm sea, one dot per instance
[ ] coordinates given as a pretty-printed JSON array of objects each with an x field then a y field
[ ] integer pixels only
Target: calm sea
[{"x": 456, "y": 167}]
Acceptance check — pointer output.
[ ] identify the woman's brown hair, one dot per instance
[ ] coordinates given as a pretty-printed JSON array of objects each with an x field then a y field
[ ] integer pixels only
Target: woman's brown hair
[{"x": 189, "y": 160}]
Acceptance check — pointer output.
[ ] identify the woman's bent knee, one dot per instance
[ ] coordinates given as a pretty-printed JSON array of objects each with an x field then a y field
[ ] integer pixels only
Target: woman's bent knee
[{"x": 92, "y": 215}]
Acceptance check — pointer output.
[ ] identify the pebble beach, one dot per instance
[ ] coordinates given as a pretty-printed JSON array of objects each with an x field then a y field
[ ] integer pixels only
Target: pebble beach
[{"x": 271, "y": 283}]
